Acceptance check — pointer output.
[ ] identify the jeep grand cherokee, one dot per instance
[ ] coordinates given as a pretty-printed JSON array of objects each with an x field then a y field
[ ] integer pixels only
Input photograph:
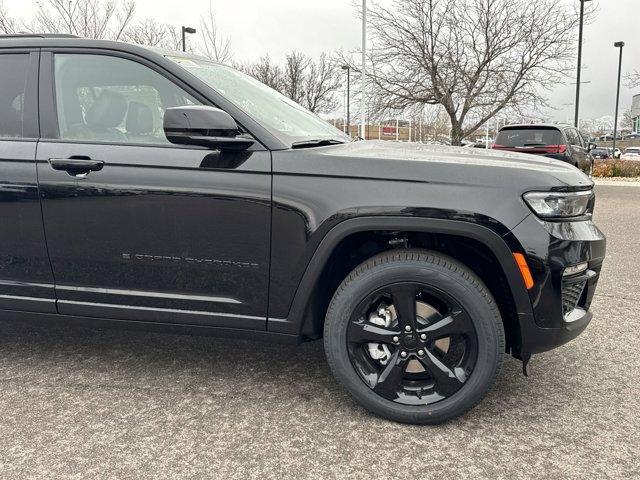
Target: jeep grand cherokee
[{"x": 158, "y": 190}]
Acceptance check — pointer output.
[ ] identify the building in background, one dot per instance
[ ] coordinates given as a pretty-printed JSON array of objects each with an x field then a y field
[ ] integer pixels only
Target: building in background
[{"x": 635, "y": 113}]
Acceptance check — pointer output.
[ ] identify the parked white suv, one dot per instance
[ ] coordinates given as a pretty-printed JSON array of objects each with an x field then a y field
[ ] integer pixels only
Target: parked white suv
[{"x": 631, "y": 153}]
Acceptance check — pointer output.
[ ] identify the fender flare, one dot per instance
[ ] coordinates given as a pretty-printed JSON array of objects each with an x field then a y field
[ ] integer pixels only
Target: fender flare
[{"x": 294, "y": 322}]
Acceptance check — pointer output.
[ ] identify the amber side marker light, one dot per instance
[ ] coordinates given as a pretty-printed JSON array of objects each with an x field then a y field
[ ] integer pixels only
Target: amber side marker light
[{"x": 524, "y": 270}]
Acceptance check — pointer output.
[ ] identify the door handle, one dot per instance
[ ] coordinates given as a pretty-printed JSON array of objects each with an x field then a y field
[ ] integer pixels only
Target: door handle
[{"x": 77, "y": 166}]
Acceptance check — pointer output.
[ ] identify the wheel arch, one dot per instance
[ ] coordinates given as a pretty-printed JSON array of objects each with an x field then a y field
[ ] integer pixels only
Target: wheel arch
[{"x": 301, "y": 321}]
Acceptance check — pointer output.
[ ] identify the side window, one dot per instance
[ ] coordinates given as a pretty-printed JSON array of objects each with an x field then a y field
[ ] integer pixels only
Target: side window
[
  {"x": 579, "y": 139},
  {"x": 109, "y": 99},
  {"x": 573, "y": 137},
  {"x": 13, "y": 79},
  {"x": 585, "y": 138}
]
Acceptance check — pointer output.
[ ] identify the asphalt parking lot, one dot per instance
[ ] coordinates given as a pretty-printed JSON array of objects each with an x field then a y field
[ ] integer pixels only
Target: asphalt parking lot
[{"x": 89, "y": 403}]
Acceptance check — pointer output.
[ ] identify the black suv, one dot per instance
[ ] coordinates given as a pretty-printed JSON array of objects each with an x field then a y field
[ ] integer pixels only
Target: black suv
[
  {"x": 158, "y": 190},
  {"x": 562, "y": 142},
  {"x": 602, "y": 152}
]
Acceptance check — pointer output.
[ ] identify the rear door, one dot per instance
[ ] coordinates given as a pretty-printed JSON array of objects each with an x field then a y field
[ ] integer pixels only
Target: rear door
[
  {"x": 138, "y": 228},
  {"x": 579, "y": 151},
  {"x": 26, "y": 281}
]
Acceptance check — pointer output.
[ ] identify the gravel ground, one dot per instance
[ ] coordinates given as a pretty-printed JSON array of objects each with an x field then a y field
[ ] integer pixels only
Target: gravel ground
[{"x": 87, "y": 403}]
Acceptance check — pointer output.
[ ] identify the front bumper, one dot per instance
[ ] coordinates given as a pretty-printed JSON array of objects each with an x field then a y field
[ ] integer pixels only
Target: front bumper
[{"x": 560, "y": 304}]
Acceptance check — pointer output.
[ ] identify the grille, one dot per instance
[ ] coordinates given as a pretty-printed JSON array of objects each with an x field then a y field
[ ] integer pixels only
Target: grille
[{"x": 571, "y": 293}]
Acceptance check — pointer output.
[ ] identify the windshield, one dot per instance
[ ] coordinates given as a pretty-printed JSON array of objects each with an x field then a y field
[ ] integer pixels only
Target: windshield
[
  {"x": 283, "y": 117},
  {"x": 528, "y": 137}
]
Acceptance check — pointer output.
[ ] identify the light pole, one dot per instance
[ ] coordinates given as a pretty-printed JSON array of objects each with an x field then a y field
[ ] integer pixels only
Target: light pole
[
  {"x": 615, "y": 118},
  {"x": 363, "y": 107},
  {"x": 348, "y": 69},
  {"x": 186, "y": 30},
  {"x": 486, "y": 138},
  {"x": 575, "y": 119}
]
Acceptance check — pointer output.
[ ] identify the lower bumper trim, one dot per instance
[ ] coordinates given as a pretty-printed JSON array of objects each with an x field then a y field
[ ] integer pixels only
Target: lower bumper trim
[{"x": 536, "y": 339}]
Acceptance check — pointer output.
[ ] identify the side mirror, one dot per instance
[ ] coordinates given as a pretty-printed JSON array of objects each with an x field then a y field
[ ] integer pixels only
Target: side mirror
[
  {"x": 204, "y": 126},
  {"x": 591, "y": 146}
]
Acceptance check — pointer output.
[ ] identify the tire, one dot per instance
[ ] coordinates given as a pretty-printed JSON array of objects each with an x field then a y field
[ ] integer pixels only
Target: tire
[{"x": 434, "y": 275}]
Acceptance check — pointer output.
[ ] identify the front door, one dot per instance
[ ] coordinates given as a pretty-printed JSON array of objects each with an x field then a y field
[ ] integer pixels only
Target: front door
[
  {"x": 26, "y": 281},
  {"x": 138, "y": 228}
]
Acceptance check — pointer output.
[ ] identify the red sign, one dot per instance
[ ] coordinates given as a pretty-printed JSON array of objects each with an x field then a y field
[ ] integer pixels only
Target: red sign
[{"x": 389, "y": 131}]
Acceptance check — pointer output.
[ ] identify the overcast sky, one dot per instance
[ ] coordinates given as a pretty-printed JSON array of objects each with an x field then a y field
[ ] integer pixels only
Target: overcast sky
[{"x": 276, "y": 27}]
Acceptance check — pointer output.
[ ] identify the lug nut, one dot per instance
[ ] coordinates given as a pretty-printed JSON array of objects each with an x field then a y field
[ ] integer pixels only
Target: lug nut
[
  {"x": 395, "y": 339},
  {"x": 403, "y": 354},
  {"x": 421, "y": 352},
  {"x": 407, "y": 328},
  {"x": 423, "y": 336}
]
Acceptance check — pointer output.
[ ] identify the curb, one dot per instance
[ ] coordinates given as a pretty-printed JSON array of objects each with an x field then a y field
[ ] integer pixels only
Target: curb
[{"x": 635, "y": 182}]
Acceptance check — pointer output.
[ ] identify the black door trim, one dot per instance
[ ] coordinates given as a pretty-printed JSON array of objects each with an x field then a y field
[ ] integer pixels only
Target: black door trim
[{"x": 160, "y": 315}]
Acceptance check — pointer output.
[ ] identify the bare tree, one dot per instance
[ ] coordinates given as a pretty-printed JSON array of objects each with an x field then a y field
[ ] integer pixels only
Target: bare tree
[
  {"x": 215, "y": 45},
  {"x": 8, "y": 25},
  {"x": 313, "y": 84},
  {"x": 295, "y": 75},
  {"x": 85, "y": 18},
  {"x": 112, "y": 20},
  {"x": 265, "y": 71},
  {"x": 149, "y": 32},
  {"x": 321, "y": 82},
  {"x": 473, "y": 57},
  {"x": 632, "y": 79}
]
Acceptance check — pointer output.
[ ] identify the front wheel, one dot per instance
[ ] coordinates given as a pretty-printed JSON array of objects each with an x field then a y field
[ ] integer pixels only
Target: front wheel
[{"x": 414, "y": 336}]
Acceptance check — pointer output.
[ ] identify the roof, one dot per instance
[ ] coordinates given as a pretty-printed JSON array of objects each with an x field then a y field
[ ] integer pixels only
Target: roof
[
  {"x": 56, "y": 40},
  {"x": 38, "y": 35},
  {"x": 537, "y": 125},
  {"x": 63, "y": 40}
]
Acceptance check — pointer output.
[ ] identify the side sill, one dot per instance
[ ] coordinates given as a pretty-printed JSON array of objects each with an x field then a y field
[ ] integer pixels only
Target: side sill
[{"x": 47, "y": 319}]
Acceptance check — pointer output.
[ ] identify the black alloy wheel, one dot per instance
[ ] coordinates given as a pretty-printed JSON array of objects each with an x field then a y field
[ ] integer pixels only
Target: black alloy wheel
[
  {"x": 414, "y": 336},
  {"x": 429, "y": 354}
]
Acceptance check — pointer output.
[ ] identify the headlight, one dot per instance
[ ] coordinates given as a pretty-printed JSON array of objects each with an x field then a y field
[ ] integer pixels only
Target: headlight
[{"x": 559, "y": 204}]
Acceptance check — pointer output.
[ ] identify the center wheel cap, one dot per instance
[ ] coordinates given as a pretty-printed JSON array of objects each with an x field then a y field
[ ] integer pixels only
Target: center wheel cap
[{"x": 410, "y": 342}]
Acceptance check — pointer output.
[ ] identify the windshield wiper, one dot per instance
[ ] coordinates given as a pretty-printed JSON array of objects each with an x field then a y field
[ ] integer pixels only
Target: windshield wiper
[{"x": 316, "y": 142}]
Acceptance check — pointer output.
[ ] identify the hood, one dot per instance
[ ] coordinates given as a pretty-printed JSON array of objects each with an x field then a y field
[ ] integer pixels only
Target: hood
[{"x": 391, "y": 160}]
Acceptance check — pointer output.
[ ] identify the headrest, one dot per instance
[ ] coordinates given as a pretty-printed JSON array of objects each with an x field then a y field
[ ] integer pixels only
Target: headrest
[
  {"x": 139, "y": 119},
  {"x": 107, "y": 111}
]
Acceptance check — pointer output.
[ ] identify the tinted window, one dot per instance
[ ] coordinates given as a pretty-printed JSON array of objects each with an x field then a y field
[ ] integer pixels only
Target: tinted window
[
  {"x": 13, "y": 79},
  {"x": 109, "y": 99},
  {"x": 573, "y": 137},
  {"x": 528, "y": 137}
]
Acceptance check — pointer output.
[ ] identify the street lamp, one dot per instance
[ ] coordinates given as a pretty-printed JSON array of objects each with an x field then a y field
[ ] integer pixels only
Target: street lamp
[
  {"x": 615, "y": 118},
  {"x": 186, "y": 30},
  {"x": 575, "y": 120},
  {"x": 348, "y": 69}
]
